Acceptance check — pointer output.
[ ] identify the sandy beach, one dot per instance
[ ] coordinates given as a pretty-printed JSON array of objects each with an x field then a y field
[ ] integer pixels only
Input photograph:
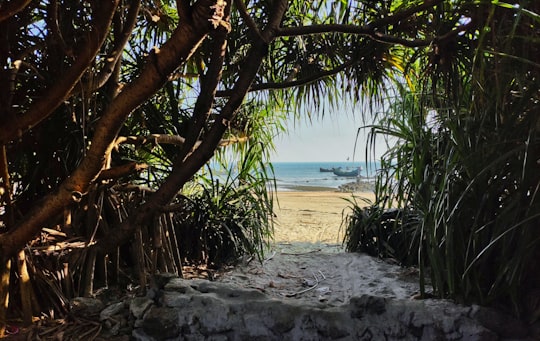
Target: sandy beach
[
  {"x": 308, "y": 249},
  {"x": 313, "y": 216}
]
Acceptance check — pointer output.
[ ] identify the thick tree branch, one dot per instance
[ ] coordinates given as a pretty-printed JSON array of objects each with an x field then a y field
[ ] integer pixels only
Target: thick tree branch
[
  {"x": 401, "y": 15},
  {"x": 290, "y": 84},
  {"x": 122, "y": 170},
  {"x": 241, "y": 6},
  {"x": 10, "y": 8},
  {"x": 366, "y": 31},
  {"x": 182, "y": 44},
  {"x": 182, "y": 6},
  {"x": 60, "y": 90}
]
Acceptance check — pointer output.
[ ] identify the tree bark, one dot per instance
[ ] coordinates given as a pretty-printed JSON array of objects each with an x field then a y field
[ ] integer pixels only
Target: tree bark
[
  {"x": 5, "y": 272},
  {"x": 13, "y": 126},
  {"x": 183, "y": 169},
  {"x": 9, "y": 9},
  {"x": 160, "y": 63}
]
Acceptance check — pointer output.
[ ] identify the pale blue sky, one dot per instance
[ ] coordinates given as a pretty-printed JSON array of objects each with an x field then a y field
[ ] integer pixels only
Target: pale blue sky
[{"x": 330, "y": 138}]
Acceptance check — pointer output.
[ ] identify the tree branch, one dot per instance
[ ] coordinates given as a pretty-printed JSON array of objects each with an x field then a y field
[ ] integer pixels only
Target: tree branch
[
  {"x": 182, "y": 7},
  {"x": 10, "y": 8},
  {"x": 317, "y": 29},
  {"x": 60, "y": 90},
  {"x": 393, "y": 19},
  {"x": 290, "y": 84},
  {"x": 365, "y": 31},
  {"x": 241, "y": 6},
  {"x": 122, "y": 170},
  {"x": 370, "y": 30},
  {"x": 170, "y": 139},
  {"x": 119, "y": 42},
  {"x": 52, "y": 22},
  {"x": 154, "y": 139},
  {"x": 181, "y": 46},
  {"x": 209, "y": 83}
]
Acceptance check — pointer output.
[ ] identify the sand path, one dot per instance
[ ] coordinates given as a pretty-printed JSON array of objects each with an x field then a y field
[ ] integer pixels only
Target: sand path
[{"x": 307, "y": 261}]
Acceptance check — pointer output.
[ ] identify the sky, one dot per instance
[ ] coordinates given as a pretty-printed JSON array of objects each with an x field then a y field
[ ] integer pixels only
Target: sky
[{"x": 330, "y": 138}]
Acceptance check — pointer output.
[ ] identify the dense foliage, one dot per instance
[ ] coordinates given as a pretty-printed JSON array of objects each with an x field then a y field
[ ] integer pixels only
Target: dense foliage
[
  {"x": 109, "y": 109},
  {"x": 227, "y": 217},
  {"x": 466, "y": 163}
]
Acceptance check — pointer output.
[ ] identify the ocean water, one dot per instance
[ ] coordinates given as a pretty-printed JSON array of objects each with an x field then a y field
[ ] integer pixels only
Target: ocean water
[{"x": 305, "y": 176}]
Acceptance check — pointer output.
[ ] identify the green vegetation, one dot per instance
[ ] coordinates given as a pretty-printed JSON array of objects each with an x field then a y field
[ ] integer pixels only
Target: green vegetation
[
  {"x": 110, "y": 111},
  {"x": 385, "y": 233},
  {"x": 228, "y": 217},
  {"x": 466, "y": 163}
]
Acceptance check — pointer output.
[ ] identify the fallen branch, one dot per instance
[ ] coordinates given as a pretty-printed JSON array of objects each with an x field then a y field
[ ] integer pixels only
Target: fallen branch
[
  {"x": 294, "y": 294},
  {"x": 300, "y": 253},
  {"x": 269, "y": 258}
]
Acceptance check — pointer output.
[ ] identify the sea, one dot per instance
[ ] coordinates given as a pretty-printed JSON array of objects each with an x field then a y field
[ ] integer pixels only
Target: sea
[{"x": 306, "y": 176}]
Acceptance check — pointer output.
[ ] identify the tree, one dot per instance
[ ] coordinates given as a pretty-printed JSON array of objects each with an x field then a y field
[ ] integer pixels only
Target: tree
[{"x": 88, "y": 76}]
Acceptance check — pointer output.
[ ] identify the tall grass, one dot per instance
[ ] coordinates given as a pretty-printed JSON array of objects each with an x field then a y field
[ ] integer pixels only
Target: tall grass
[
  {"x": 467, "y": 162},
  {"x": 230, "y": 214}
]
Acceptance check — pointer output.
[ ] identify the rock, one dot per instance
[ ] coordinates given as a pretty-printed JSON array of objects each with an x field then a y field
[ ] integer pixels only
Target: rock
[
  {"x": 111, "y": 310},
  {"x": 367, "y": 304},
  {"x": 203, "y": 310},
  {"x": 360, "y": 185},
  {"x": 161, "y": 323},
  {"x": 139, "y": 305},
  {"x": 503, "y": 324},
  {"x": 85, "y": 306}
]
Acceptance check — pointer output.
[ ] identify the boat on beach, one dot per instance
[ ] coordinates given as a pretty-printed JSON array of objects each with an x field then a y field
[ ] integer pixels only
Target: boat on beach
[
  {"x": 346, "y": 172},
  {"x": 322, "y": 169}
]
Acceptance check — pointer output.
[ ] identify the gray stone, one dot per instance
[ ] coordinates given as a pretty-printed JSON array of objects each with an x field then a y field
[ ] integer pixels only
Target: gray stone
[
  {"x": 111, "y": 310},
  {"x": 161, "y": 323},
  {"x": 140, "y": 335},
  {"x": 203, "y": 310},
  {"x": 179, "y": 285},
  {"x": 504, "y": 325},
  {"x": 139, "y": 305},
  {"x": 85, "y": 306},
  {"x": 172, "y": 299}
]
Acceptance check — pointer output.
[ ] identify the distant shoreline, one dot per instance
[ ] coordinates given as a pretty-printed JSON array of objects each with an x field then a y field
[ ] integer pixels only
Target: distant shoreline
[
  {"x": 306, "y": 188},
  {"x": 350, "y": 187}
]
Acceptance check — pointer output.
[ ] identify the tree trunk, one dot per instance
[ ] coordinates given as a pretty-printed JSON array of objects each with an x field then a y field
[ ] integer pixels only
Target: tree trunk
[
  {"x": 5, "y": 273},
  {"x": 160, "y": 63},
  {"x": 11, "y": 127},
  {"x": 183, "y": 169}
]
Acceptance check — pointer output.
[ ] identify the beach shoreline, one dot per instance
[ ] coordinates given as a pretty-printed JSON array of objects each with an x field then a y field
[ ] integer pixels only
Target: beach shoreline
[{"x": 356, "y": 186}]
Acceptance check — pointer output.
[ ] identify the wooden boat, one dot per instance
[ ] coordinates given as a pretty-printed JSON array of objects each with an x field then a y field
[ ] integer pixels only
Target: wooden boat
[
  {"x": 326, "y": 169},
  {"x": 350, "y": 173}
]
